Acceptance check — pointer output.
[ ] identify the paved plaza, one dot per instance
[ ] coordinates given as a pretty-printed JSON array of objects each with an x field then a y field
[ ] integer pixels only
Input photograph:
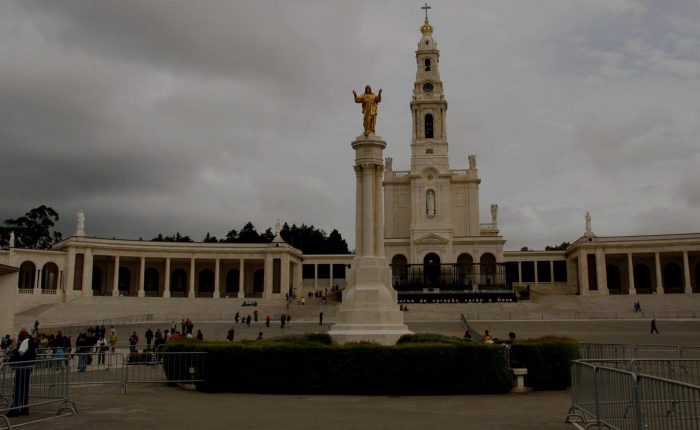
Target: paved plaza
[{"x": 156, "y": 406}]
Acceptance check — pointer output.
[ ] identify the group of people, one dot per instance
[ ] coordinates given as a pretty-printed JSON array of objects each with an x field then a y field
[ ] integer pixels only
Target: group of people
[
  {"x": 488, "y": 338},
  {"x": 637, "y": 307}
]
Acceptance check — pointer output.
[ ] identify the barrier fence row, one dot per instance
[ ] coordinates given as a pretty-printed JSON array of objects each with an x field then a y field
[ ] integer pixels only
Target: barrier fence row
[
  {"x": 45, "y": 382},
  {"x": 606, "y": 397},
  {"x": 594, "y": 351},
  {"x": 34, "y": 384},
  {"x": 562, "y": 316}
]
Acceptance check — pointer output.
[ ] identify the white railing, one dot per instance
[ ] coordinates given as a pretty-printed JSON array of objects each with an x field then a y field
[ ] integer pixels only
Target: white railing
[
  {"x": 49, "y": 292},
  {"x": 460, "y": 172},
  {"x": 488, "y": 226},
  {"x": 25, "y": 291},
  {"x": 401, "y": 173}
]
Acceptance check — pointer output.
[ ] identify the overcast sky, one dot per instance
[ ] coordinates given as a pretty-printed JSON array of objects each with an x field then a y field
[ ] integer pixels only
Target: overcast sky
[{"x": 197, "y": 116}]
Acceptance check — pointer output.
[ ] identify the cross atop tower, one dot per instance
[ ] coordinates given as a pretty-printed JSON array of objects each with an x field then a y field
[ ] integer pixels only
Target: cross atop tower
[{"x": 426, "y": 7}]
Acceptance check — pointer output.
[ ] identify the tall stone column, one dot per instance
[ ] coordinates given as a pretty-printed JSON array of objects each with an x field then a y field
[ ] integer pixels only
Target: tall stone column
[
  {"x": 87, "y": 273},
  {"x": 686, "y": 274},
  {"x": 657, "y": 272},
  {"x": 191, "y": 290},
  {"x": 241, "y": 279},
  {"x": 601, "y": 272},
  {"x": 166, "y": 278},
  {"x": 217, "y": 275},
  {"x": 267, "y": 285},
  {"x": 630, "y": 274},
  {"x": 115, "y": 277},
  {"x": 142, "y": 277},
  {"x": 369, "y": 310}
]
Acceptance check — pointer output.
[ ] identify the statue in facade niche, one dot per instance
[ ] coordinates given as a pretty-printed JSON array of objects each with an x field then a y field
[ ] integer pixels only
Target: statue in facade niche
[
  {"x": 472, "y": 161},
  {"x": 12, "y": 239},
  {"x": 494, "y": 214},
  {"x": 369, "y": 102},
  {"x": 430, "y": 203}
]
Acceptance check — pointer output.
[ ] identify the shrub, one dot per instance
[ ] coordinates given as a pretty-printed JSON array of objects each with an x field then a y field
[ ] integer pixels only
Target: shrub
[
  {"x": 309, "y": 365},
  {"x": 429, "y": 338},
  {"x": 547, "y": 359}
]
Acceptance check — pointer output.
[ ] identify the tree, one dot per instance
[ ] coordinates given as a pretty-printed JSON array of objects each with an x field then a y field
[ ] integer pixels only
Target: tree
[
  {"x": 560, "y": 247},
  {"x": 177, "y": 237},
  {"x": 33, "y": 230},
  {"x": 210, "y": 239}
]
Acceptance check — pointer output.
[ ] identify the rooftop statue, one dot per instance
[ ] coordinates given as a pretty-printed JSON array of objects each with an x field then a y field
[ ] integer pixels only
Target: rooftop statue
[{"x": 369, "y": 102}]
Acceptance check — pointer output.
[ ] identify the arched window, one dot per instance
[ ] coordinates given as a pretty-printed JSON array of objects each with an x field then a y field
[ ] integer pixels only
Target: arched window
[
  {"x": 429, "y": 126},
  {"x": 429, "y": 151},
  {"x": 427, "y": 64},
  {"x": 27, "y": 272},
  {"x": 151, "y": 281},
  {"x": 206, "y": 283},
  {"x": 124, "y": 285},
  {"x": 49, "y": 276}
]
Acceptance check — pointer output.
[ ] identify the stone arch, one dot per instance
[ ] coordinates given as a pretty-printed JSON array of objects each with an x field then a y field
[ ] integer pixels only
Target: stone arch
[
  {"x": 697, "y": 277},
  {"x": 612, "y": 272},
  {"x": 232, "y": 280},
  {"x": 124, "y": 286},
  {"x": 27, "y": 275},
  {"x": 428, "y": 126},
  {"x": 151, "y": 281},
  {"x": 431, "y": 269},
  {"x": 259, "y": 282},
  {"x": 465, "y": 269},
  {"x": 49, "y": 276},
  {"x": 206, "y": 282},
  {"x": 96, "y": 280},
  {"x": 399, "y": 269},
  {"x": 673, "y": 278},
  {"x": 642, "y": 278},
  {"x": 487, "y": 267},
  {"x": 178, "y": 283}
]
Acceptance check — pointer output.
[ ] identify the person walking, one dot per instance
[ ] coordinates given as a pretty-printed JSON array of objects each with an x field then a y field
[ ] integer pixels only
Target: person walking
[
  {"x": 149, "y": 338},
  {"x": 653, "y": 327},
  {"x": 113, "y": 337}
]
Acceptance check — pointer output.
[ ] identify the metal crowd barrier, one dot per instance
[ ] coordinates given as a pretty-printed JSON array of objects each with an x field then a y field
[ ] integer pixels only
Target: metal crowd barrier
[
  {"x": 124, "y": 368},
  {"x": 619, "y": 351},
  {"x": 608, "y": 397},
  {"x": 28, "y": 385}
]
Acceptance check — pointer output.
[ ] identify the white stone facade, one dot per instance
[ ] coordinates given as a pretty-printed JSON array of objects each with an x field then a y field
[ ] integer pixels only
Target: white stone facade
[{"x": 432, "y": 209}]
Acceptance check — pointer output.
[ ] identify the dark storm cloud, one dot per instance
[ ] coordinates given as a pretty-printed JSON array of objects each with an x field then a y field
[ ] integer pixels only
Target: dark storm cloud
[{"x": 164, "y": 116}]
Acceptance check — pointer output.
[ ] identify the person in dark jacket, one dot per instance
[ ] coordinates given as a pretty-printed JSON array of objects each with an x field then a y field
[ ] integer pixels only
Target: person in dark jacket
[{"x": 23, "y": 354}]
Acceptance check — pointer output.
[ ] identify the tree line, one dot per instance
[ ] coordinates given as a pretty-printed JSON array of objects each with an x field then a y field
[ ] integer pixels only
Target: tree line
[{"x": 34, "y": 230}]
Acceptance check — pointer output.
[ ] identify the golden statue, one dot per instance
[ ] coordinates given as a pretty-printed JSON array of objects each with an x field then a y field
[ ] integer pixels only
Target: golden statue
[{"x": 369, "y": 107}]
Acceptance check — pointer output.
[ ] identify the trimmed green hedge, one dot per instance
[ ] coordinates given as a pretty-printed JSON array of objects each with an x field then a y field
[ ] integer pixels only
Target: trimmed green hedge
[
  {"x": 422, "y": 363},
  {"x": 310, "y": 365},
  {"x": 547, "y": 359}
]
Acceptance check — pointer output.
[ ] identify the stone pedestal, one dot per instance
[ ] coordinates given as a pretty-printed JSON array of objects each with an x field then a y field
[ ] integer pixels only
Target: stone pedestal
[{"x": 369, "y": 311}]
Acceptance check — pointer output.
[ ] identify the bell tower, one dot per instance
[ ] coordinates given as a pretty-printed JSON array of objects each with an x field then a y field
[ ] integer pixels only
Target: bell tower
[{"x": 428, "y": 107}]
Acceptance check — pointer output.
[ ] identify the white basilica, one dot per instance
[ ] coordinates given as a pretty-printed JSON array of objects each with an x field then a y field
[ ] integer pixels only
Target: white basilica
[{"x": 434, "y": 242}]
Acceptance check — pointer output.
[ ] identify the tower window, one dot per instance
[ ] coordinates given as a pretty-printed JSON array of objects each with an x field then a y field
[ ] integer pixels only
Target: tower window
[
  {"x": 427, "y": 64},
  {"x": 429, "y": 151},
  {"x": 429, "y": 126}
]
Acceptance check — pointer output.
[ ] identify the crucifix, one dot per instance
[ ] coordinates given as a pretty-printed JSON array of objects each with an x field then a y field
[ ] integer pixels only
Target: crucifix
[{"x": 426, "y": 7}]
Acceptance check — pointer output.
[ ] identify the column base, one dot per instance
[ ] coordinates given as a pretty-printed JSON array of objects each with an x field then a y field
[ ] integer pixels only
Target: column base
[{"x": 369, "y": 311}]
